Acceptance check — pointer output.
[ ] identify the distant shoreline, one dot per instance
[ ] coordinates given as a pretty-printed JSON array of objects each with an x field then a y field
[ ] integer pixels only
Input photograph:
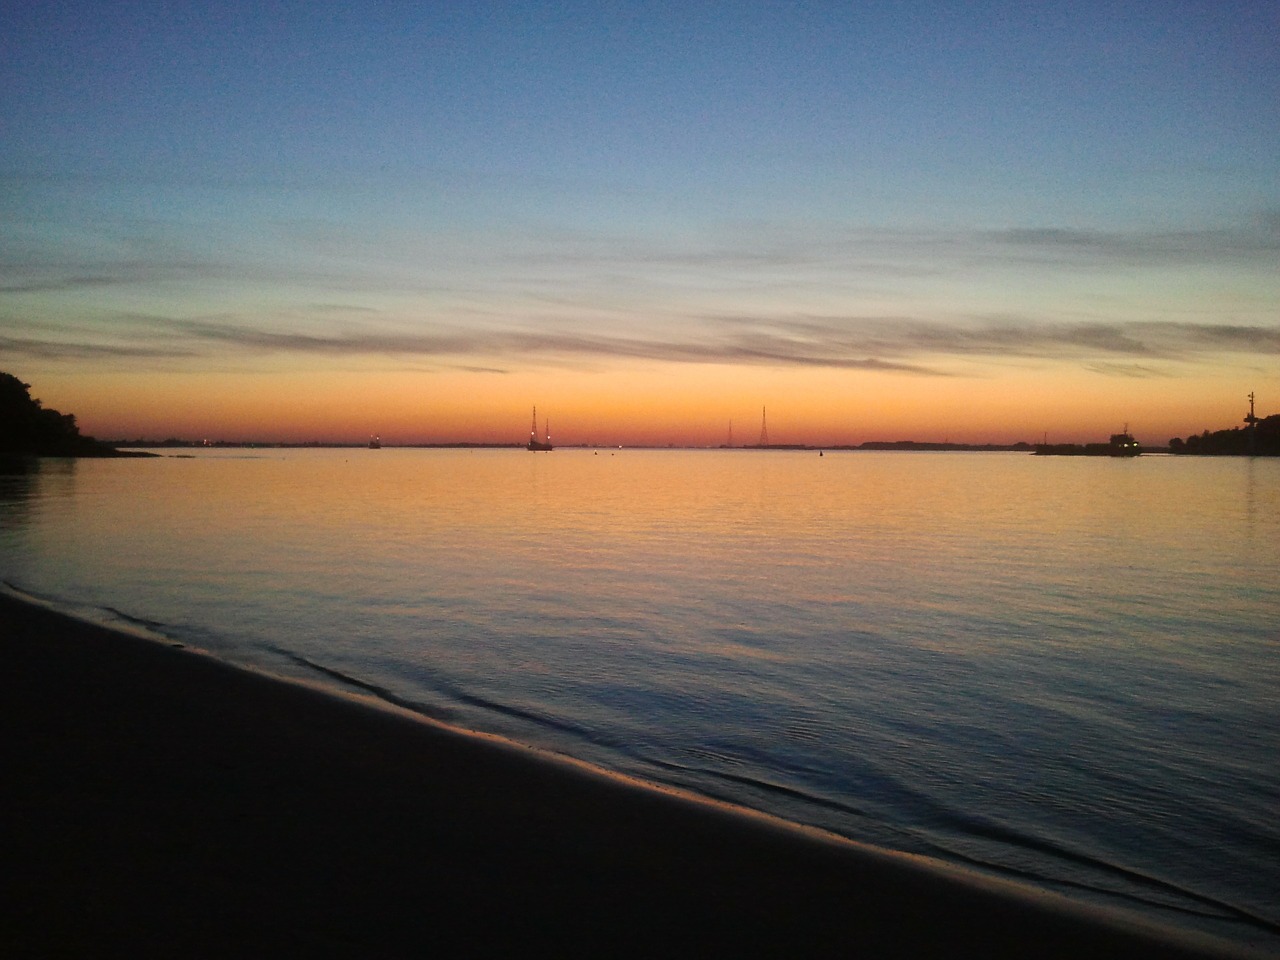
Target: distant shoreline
[{"x": 870, "y": 445}]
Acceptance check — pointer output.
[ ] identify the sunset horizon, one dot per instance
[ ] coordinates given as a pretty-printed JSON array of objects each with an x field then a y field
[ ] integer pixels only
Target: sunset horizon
[
  {"x": 986, "y": 225},
  {"x": 320, "y": 412},
  {"x": 811, "y": 591}
]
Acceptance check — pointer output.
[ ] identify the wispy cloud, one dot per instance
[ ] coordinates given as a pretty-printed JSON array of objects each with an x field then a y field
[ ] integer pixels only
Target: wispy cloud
[
  {"x": 1010, "y": 337},
  {"x": 1132, "y": 371},
  {"x": 82, "y": 350},
  {"x": 1072, "y": 247},
  {"x": 901, "y": 345},
  {"x": 371, "y": 259},
  {"x": 920, "y": 302},
  {"x": 1232, "y": 337},
  {"x": 61, "y": 283},
  {"x": 560, "y": 347}
]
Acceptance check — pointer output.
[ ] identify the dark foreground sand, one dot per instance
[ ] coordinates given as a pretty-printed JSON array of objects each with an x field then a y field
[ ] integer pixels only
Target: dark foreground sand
[{"x": 159, "y": 803}]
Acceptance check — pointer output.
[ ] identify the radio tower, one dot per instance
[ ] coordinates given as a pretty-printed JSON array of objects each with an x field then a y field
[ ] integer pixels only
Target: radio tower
[
  {"x": 1252, "y": 427},
  {"x": 1251, "y": 419},
  {"x": 764, "y": 430}
]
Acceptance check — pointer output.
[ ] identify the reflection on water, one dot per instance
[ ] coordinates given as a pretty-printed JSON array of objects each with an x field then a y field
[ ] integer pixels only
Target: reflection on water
[
  {"x": 28, "y": 484},
  {"x": 1060, "y": 668},
  {"x": 17, "y": 481}
]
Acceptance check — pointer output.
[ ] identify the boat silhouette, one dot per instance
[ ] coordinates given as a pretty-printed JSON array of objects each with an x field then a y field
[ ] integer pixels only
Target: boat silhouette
[{"x": 534, "y": 442}]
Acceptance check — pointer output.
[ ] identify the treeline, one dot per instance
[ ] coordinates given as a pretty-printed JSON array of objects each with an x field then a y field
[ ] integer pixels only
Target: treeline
[
  {"x": 28, "y": 427},
  {"x": 946, "y": 446},
  {"x": 1262, "y": 440}
]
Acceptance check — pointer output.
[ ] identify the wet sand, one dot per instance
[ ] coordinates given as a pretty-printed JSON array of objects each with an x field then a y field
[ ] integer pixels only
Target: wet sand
[{"x": 157, "y": 802}]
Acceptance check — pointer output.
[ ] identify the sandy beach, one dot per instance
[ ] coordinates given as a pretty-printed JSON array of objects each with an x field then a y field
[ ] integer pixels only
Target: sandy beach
[{"x": 157, "y": 802}]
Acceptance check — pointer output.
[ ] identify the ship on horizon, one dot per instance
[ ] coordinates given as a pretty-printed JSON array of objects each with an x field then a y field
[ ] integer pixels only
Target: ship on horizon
[
  {"x": 1120, "y": 445},
  {"x": 1124, "y": 445}
]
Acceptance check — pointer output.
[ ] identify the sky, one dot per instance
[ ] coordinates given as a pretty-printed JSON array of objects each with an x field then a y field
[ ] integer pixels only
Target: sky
[{"x": 977, "y": 222}]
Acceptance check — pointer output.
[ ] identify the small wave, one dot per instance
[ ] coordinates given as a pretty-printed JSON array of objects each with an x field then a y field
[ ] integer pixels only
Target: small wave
[
  {"x": 453, "y": 694},
  {"x": 782, "y": 790},
  {"x": 538, "y": 719},
  {"x": 103, "y": 616},
  {"x": 380, "y": 692},
  {"x": 702, "y": 780},
  {"x": 1177, "y": 898},
  {"x": 143, "y": 622},
  {"x": 18, "y": 593}
]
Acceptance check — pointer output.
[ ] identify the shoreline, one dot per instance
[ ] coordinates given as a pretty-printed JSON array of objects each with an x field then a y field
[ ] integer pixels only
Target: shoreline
[{"x": 159, "y": 801}]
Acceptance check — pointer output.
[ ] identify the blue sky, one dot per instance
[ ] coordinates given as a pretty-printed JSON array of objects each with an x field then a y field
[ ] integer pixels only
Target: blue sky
[{"x": 890, "y": 189}]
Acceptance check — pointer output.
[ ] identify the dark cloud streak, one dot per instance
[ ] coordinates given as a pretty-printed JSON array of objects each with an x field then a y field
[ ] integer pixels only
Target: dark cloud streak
[
  {"x": 564, "y": 346},
  {"x": 880, "y": 344},
  {"x": 61, "y": 284},
  {"x": 587, "y": 266},
  {"x": 1137, "y": 249},
  {"x": 63, "y": 350}
]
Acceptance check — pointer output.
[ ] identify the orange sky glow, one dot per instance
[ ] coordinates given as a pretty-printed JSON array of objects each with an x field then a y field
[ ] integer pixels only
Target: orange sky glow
[
  {"x": 988, "y": 226},
  {"x": 680, "y": 405}
]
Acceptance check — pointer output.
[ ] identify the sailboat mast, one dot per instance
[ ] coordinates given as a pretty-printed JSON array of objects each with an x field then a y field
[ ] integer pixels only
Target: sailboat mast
[{"x": 535, "y": 443}]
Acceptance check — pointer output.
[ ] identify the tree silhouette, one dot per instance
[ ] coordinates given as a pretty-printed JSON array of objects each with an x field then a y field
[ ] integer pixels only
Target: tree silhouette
[
  {"x": 28, "y": 427},
  {"x": 1236, "y": 442}
]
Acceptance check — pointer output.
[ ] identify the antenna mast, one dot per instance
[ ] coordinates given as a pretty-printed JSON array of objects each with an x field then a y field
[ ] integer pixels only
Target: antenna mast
[
  {"x": 1252, "y": 427},
  {"x": 764, "y": 429}
]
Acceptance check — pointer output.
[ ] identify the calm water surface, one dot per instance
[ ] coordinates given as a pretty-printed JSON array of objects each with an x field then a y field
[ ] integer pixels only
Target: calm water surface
[{"x": 1063, "y": 670}]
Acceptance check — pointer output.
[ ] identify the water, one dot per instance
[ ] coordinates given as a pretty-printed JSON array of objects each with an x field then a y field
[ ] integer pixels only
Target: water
[{"x": 1059, "y": 670}]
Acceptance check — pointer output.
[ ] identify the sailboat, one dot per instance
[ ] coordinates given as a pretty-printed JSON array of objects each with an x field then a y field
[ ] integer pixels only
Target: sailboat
[{"x": 534, "y": 442}]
